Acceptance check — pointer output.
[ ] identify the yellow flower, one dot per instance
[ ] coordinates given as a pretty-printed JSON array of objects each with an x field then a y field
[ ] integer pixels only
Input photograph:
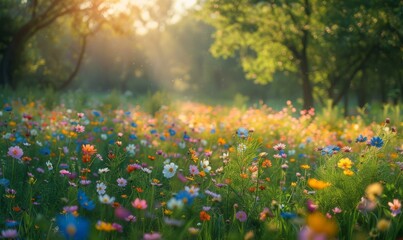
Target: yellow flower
[
  {"x": 319, "y": 223},
  {"x": 348, "y": 172},
  {"x": 345, "y": 163},
  {"x": 373, "y": 191},
  {"x": 317, "y": 184},
  {"x": 249, "y": 235},
  {"x": 383, "y": 225},
  {"x": 293, "y": 184},
  {"x": 168, "y": 212},
  {"x": 305, "y": 166},
  {"x": 104, "y": 226}
]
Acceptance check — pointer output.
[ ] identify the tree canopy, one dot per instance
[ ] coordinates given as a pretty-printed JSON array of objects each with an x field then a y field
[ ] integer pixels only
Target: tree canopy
[{"x": 325, "y": 44}]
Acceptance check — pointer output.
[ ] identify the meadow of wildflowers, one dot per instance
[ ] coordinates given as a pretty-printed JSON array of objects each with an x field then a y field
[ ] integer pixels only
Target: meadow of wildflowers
[{"x": 193, "y": 171}]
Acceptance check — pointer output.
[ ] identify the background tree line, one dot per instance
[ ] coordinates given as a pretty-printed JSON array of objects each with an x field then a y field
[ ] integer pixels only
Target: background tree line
[{"x": 308, "y": 49}]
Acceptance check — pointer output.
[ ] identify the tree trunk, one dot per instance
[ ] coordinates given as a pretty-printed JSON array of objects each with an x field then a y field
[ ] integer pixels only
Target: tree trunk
[
  {"x": 73, "y": 74},
  {"x": 362, "y": 91},
  {"x": 383, "y": 90},
  {"x": 346, "y": 102},
  {"x": 307, "y": 89},
  {"x": 12, "y": 54}
]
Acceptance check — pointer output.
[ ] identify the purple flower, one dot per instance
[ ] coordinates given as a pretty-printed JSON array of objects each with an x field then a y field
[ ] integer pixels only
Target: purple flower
[
  {"x": 9, "y": 233},
  {"x": 121, "y": 182},
  {"x": 241, "y": 216}
]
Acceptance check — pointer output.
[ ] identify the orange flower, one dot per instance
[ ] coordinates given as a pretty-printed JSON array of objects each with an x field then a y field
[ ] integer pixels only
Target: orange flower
[
  {"x": 266, "y": 163},
  {"x": 104, "y": 226},
  {"x": 111, "y": 155},
  {"x": 88, "y": 149},
  {"x": 202, "y": 174},
  {"x": 244, "y": 175},
  {"x": 86, "y": 158},
  {"x": 26, "y": 159},
  {"x": 16, "y": 209},
  {"x": 152, "y": 158},
  {"x": 85, "y": 170},
  {"x": 130, "y": 168},
  {"x": 317, "y": 184},
  {"x": 221, "y": 141},
  {"x": 252, "y": 169},
  {"x": 204, "y": 216}
]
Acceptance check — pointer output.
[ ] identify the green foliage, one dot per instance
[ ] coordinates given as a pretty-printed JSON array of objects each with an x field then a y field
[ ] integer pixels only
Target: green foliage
[
  {"x": 240, "y": 101},
  {"x": 155, "y": 102},
  {"x": 337, "y": 41},
  {"x": 369, "y": 166}
]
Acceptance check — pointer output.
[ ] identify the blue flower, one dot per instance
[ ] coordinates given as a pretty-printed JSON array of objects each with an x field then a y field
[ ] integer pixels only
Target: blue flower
[
  {"x": 96, "y": 113},
  {"x": 162, "y": 138},
  {"x": 8, "y": 108},
  {"x": 242, "y": 132},
  {"x": 185, "y": 197},
  {"x": 4, "y": 182},
  {"x": 172, "y": 132},
  {"x": 132, "y": 136},
  {"x": 84, "y": 201},
  {"x": 44, "y": 151},
  {"x": 376, "y": 142},
  {"x": 361, "y": 139},
  {"x": 133, "y": 124},
  {"x": 11, "y": 223},
  {"x": 73, "y": 227},
  {"x": 186, "y": 137},
  {"x": 212, "y": 131},
  {"x": 288, "y": 215},
  {"x": 330, "y": 150},
  {"x": 153, "y": 131}
]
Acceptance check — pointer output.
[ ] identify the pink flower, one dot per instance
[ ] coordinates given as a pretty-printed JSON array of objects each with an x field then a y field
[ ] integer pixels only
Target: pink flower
[
  {"x": 64, "y": 172},
  {"x": 15, "y": 152},
  {"x": 79, "y": 128},
  {"x": 117, "y": 227},
  {"x": 139, "y": 204},
  {"x": 395, "y": 207},
  {"x": 336, "y": 210},
  {"x": 279, "y": 147},
  {"x": 122, "y": 213},
  {"x": 193, "y": 170},
  {"x": 152, "y": 236}
]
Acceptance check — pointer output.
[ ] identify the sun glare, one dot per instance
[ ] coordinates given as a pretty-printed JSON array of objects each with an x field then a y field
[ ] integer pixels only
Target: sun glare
[{"x": 123, "y": 6}]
